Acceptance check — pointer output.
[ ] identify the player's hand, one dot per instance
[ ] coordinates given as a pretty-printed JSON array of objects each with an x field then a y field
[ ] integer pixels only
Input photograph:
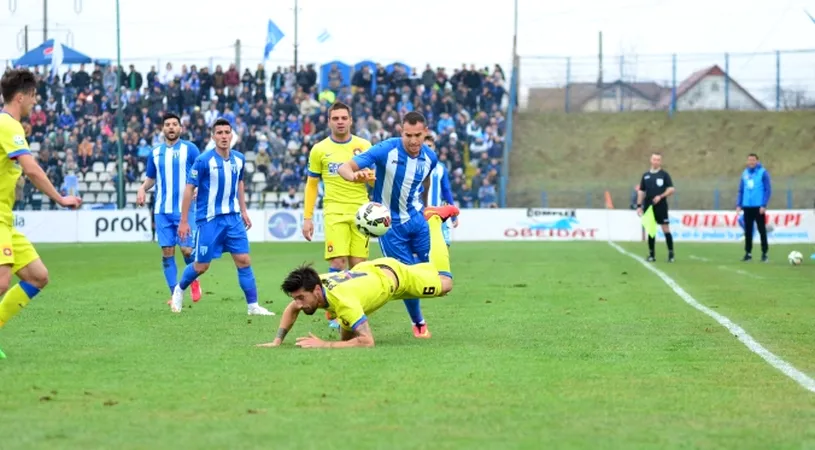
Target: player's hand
[
  {"x": 140, "y": 197},
  {"x": 275, "y": 343},
  {"x": 183, "y": 229},
  {"x": 194, "y": 194},
  {"x": 762, "y": 210},
  {"x": 247, "y": 222},
  {"x": 738, "y": 209},
  {"x": 455, "y": 222},
  {"x": 639, "y": 210},
  {"x": 310, "y": 341},
  {"x": 308, "y": 229},
  {"x": 70, "y": 201},
  {"x": 656, "y": 199}
]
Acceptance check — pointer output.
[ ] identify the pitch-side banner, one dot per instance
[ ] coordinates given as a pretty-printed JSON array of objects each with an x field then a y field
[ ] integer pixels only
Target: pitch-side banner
[{"x": 783, "y": 226}]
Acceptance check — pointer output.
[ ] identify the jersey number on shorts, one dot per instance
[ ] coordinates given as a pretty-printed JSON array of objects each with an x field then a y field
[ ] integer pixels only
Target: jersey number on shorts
[{"x": 429, "y": 290}]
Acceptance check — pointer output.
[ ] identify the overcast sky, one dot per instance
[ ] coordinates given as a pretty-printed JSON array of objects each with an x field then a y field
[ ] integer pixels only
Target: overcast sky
[{"x": 442, "y": 32}]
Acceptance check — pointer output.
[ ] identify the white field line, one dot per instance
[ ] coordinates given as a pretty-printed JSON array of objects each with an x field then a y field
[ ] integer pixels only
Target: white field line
[
  {"x": 754, "y": 346},
  {"x": 741, "y": 272},
  {"x": 698, "y": 258}
]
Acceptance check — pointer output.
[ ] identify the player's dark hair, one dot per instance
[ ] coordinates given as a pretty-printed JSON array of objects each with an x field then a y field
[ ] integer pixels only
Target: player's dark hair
[
  {"x": 303, "y": 277},
  {"x": 430, "y": 139},
  {"x": 753, "y": 155},
  {"x": 170, "y": 116},
  {"x": 15, "y": 81},
  {"x": 339, "y": 106},
  {"x": 221, "y": 122},
  {"x": 413, "y": 118}
]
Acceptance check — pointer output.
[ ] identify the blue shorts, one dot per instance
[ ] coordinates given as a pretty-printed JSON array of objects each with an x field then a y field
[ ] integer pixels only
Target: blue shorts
[
  {"x": 167, "y": 230},
  {"x": 405, "y": 240},
  {"x": 224, "y": 233}
]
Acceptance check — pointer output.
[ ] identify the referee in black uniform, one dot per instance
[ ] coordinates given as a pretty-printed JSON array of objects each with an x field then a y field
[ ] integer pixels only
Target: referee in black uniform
[{"x": 655, "y": 188}]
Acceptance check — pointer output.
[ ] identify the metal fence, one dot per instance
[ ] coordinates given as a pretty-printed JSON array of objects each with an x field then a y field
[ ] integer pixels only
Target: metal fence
[{"x": 778, "y": 80}]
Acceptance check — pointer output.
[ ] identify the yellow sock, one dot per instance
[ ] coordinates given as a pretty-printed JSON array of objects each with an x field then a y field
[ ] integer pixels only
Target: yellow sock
[
  {"x": 439, "y": 254},
  {"x": 13, "y": 302}
]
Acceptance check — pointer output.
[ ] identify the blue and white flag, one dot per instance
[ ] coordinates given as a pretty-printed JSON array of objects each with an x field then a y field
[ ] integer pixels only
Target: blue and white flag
[
  {"x": 324, "y": 36},
  {"x": 810, "y": 16},
  {"x": 273, "y": 37},
  {"x": 57, "y": 55}
]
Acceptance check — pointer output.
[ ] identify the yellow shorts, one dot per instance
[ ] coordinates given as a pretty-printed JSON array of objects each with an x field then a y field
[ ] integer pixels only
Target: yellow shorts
[
  {"x": 15, "y": 249},
  {"x": 342, "y": 237},
  {"x": 415, "y": 281}
]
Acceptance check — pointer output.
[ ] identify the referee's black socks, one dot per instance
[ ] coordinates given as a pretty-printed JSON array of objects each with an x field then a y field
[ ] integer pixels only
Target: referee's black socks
[{"x": 669, "y": 240}]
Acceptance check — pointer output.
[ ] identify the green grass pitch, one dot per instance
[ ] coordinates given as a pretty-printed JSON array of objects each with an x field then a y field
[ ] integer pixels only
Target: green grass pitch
[{"x": 540, "y": 345}]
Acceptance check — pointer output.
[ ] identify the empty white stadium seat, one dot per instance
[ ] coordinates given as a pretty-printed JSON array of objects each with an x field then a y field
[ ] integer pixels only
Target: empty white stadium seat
[
  {"x": 91, "y": 176},
  {"x": 98, "y": 167}
]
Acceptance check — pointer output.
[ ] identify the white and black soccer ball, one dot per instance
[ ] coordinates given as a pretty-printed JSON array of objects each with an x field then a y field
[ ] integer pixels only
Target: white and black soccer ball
[
  {"x": 373, "y": 219},
  {"x": 795, "y": 258}
]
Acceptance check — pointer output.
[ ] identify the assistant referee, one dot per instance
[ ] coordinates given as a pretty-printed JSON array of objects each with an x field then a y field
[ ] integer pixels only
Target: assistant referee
[{"x": 655, "y": 188}]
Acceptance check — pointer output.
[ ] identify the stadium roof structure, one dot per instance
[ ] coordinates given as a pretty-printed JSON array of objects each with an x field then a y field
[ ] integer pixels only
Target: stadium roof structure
[{"x": 43, "y": 56}]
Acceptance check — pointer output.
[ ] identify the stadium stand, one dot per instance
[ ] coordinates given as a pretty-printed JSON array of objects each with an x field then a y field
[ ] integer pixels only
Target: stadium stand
[{"x": 278, "y": 117}]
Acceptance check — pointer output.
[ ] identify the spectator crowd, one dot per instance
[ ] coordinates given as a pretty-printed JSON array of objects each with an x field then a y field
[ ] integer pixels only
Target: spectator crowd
[{"x": 278, "y": 118}]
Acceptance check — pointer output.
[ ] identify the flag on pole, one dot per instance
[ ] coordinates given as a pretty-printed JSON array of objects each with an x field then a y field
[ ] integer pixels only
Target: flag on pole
[
  {"x": 273, "y": 37},
  {"x": 324, "y": 36},
  {"x": 810, "y": 16},
  {"x": 57, "y": 55},
  {"x": 649, "y": 222}
]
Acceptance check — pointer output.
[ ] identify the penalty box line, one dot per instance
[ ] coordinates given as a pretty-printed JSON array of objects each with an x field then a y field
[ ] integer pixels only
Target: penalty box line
[{"x": 804, "y": 380}]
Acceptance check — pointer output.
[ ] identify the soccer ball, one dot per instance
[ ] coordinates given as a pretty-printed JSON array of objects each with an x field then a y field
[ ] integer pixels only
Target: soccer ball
[
  {"x": 373, "y": 219},
  {"x": 795, "y": 258}
]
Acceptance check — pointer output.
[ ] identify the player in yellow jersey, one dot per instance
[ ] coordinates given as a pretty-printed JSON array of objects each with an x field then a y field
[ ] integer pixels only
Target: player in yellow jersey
[
  {"x": 345, "y": 246},
  {"x": 17, "y": 255},
  {"x": 352, "y": 295}
]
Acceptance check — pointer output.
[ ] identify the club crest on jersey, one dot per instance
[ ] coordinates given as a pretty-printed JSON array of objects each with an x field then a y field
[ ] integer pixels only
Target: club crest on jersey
[
  {"x": 659, "y": 182},
  {"x": 7, "y": 251},
  {"x": 357, "y": 151}
]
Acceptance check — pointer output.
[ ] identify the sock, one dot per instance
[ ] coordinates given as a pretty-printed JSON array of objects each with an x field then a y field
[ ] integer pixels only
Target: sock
[
  {"x": 415, "y": 311},
  {"x": 189, "y": 259},
  {"x": 651, "y": 243},
  {"x": 439, "y": 253},
  {"x": 170, "y": 271},
  {"x": 669, "y": 240},
  {"x": 247, "y": 281},
  {"x": 187, "y": 277},
  {"x": 15, "y": 300}
]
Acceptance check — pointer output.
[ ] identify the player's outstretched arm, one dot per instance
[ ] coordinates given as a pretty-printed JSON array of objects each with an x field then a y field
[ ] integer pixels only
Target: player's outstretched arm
[
  {"x": 40, "y": 180},
  {"x": 286, "y": 322},
  {"x": 362, "y": 338}
]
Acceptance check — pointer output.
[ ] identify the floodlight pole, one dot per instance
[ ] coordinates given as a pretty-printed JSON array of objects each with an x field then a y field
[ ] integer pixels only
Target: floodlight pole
[{"x": 120, "y": 185}]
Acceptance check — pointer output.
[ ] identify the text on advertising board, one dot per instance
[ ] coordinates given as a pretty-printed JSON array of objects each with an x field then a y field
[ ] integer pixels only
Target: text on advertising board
[
  {"x": 719, "y": 219},
  {"x": 551, "y": 224}
]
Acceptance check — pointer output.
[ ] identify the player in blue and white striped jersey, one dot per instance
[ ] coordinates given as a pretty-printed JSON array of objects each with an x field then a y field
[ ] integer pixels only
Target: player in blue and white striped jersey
[
  {"x": 221, "y": 216},
  {"x": 167, "y": 168},
  {"x": 403, "y": 167},
  {"x": 440, "y": 191}
]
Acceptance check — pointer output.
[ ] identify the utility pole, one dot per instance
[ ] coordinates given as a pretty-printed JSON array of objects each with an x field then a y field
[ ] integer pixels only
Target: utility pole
[
  {"x": 295, "y": 35},
  {"x": 44, "y": 20}
]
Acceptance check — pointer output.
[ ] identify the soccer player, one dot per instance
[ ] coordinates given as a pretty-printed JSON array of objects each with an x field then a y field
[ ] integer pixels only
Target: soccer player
[
  {"x": 655, "y": 188},
  {"x": 17, "y": 256},
  {"x": 222, "y": 219},
  {"x": 754, "y": 194},
  {"x": 352, "y": 295},
  {"x": 440, "y": 190},
  {"x": 167, "y": 168},
  {"x": 345, "y": 246},
  {"x": 402, "y": 166}
]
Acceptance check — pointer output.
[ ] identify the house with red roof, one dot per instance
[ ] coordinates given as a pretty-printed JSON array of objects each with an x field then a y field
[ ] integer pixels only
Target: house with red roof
[{"x": 705, "y": 90}]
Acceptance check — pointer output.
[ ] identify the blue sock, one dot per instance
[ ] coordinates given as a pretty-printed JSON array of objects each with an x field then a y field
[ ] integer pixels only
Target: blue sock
[
  {"x": 414, "y": 310},
  {"x": 187, "y": 277},
  {"x": 30, "y": 290},
  {"x": 189, "y": 259},
  {"x": 170, "y": 271},
  {"x": 247, "y": 281}
]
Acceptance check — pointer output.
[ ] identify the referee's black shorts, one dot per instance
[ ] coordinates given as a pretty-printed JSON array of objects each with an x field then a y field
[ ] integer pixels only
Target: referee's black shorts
[{"x": 660, "y": 212}]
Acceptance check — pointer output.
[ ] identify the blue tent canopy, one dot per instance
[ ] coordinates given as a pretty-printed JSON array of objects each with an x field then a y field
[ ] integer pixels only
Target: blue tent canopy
[
  {"x": 344, "y": 69},
  {"x": 41, "y": 56},
  {"x": 390, "y": 67},
  {"x": 372, "y": 66}
]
